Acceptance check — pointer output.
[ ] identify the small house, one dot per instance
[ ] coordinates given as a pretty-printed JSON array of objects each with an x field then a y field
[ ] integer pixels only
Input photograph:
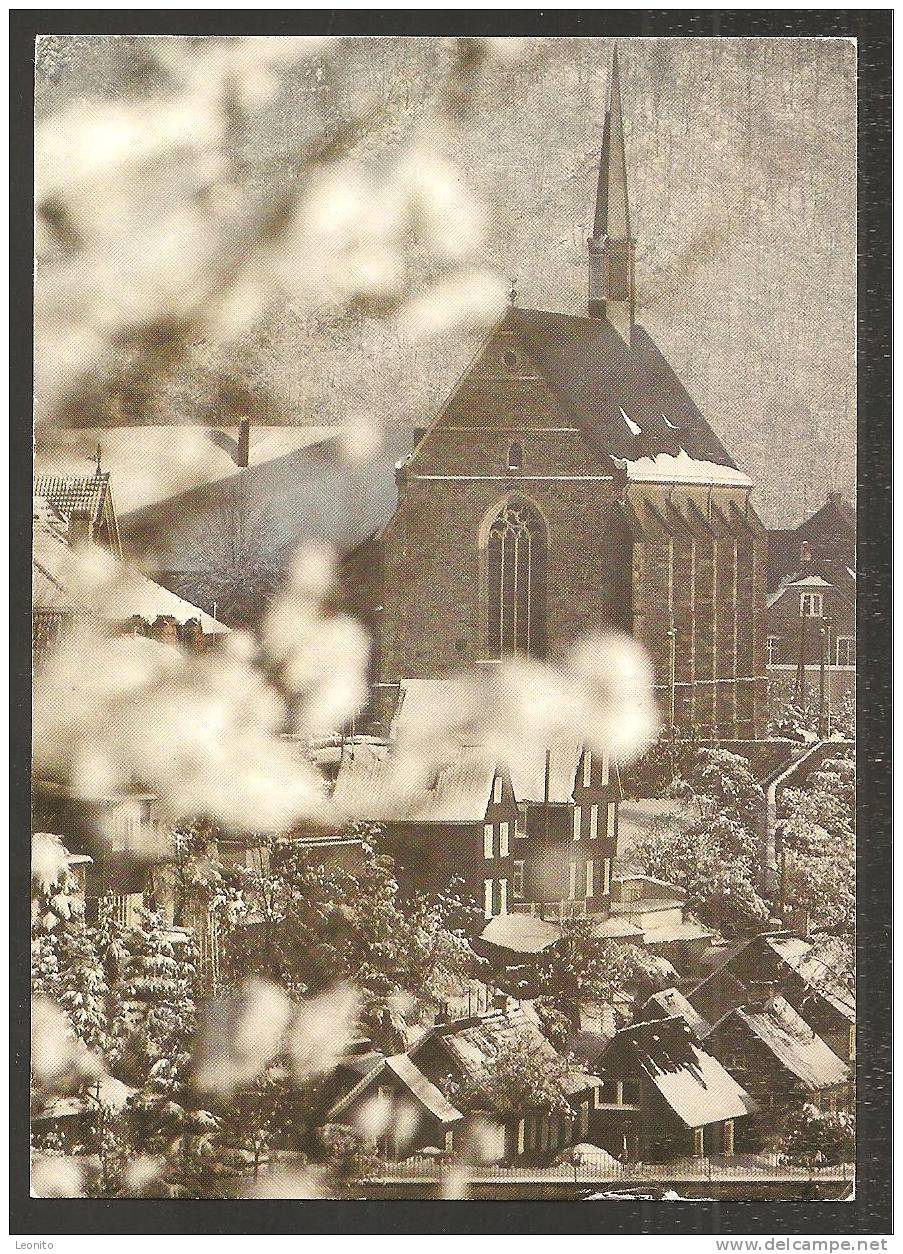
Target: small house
[
  {"x": 664, "y": 1096},
  {"x": 444, "y": 1092},
  {"x": 774, "y": 1052}
]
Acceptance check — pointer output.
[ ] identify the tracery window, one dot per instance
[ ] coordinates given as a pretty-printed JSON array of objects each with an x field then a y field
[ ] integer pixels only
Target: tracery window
[{"x": 516, "y": 578}]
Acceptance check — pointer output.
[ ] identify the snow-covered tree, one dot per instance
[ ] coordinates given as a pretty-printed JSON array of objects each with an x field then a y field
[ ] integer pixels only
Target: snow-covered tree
[
  {"x": 712, "y": 863},
  {"x": 303, "y": 925},
  {"x": 159, "y": 988},
  {"x": 813, "y": 1138}
]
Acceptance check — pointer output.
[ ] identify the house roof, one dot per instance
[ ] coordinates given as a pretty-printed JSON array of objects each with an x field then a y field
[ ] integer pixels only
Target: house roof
[
  {"x": 627, "y": 398},
  {"x": 97, "y": 583},
  {"x": 836, "y": 515},
  {"x": 404, "y": 1069},
  {"x": 179, "y": 489},
  {"x": 423, "y": 1089},
  {"x": 672, "y": 1003},
  {"x": 418, "y": 699},
  {"x": 818, "y": 966},
  {"x": 369, "y": 785},
  {"x": 617, "y": 928},
  {"x": 588, "y": 1046},
  {"x": 717, "y": 995},
  {"x": 794, "y": 1045},
  {"x": 471, "y": 1045},
  {"x": 71, "y": 492},
  {"x": 669, "y": 933},
  {"x": 521, "y": 933},
  {"x": 693, "y": 1083}
]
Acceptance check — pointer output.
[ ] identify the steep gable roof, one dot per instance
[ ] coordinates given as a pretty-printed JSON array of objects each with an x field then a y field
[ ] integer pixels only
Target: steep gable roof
[
  {"x": 472, "y": 1045},
  {"x": 402, "y": 1068},
  {"x": 70, "y": 493},
  {"x": 693, "y": 1083},
  {"x": 836, "y": 517},
  {"x": 794, "y": 1045},
  {"x": 628, "y": 399},
  {"x": 369, "y": 786}
]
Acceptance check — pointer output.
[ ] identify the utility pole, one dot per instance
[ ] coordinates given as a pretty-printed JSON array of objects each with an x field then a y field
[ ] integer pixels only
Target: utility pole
[
  {"x": 822, "y": 707},
  {"x": 799, "y": 692},
  {"x": 672, "y": 669}
]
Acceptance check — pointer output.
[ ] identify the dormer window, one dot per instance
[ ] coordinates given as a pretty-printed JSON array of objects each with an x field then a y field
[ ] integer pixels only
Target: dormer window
[{"x": 516, "y": 456}]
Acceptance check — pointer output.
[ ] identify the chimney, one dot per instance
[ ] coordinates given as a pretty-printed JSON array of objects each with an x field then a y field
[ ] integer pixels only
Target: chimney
[
  {"x": 244, "y": 435},
  {"x": 805, "y": 552},
  {"x": 80, "y": 528}
]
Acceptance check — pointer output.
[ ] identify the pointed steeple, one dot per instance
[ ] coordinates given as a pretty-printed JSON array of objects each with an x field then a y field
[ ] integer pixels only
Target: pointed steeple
[{"x": 611, "y": 245}]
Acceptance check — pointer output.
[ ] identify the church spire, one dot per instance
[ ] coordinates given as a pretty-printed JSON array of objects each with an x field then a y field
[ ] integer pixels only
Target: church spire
[{"x": 611, "y": 245}]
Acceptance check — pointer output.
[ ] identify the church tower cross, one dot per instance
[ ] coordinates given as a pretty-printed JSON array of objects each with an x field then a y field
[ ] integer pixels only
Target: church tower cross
[{"x": 611, "y": 246}]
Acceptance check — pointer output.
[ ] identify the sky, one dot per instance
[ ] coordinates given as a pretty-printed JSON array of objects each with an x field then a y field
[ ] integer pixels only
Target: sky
[{"x": 742, "y": 164}]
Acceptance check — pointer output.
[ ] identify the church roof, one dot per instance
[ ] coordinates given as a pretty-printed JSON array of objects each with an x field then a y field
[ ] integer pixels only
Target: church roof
[{"x": 626, "y": 398}]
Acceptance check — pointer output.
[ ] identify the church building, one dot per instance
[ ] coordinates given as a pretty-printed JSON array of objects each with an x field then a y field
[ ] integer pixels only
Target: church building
[{"x": 568, "y": 485}]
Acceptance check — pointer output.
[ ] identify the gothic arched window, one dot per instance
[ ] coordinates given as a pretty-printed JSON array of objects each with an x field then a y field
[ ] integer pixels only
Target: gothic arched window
[{"x": 516, "y": 581}]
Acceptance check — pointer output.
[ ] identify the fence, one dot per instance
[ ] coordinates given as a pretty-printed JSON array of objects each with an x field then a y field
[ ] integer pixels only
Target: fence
[{"x": 590, "y": 1171}]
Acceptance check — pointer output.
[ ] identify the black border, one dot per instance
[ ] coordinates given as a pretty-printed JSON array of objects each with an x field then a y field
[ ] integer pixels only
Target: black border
[{"x": 871, "y": 1211}]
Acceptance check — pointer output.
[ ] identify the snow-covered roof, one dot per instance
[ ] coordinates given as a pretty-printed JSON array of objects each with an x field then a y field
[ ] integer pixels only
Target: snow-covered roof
[
  {"x": 794, "y": 1045},
  {"x": 108, "y": 1092},
  {"x": 682, "y": 468},
  {"x": 792, "y": 949},
  {"x": 672, "y": 1003},
  {"x": 423, "y": 1089},
  {"x": 693, "y": 1083},
  {"x": 147, "y": 464},
  {"x": 614, "y": 928},
  {"x": 97, "y": 582},
  {"x": 522, "y": 933},
  {"x": 370, "y": 786},
  {"x": 668, "y": 933},
  {"x": 472, "y": 1046},
  {"x": 817, "y": 965},
  {"x": 404, "y": 1069},
  {"x": 796, "y": 583}
]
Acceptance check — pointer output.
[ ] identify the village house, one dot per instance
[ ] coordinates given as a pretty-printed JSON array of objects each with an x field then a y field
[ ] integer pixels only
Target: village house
[
  {"x": 664, "y": 1096},
  {"x": 440, "y": 1094},
  {"x": 552, "y": 859},
  {"x": 78, "y": 575},
  {"x": 805, "y": 973},
  {"x": 811, "y": 604},
  {"x": 774, "y": 1052},
  {"x": 454, "y": 828}
]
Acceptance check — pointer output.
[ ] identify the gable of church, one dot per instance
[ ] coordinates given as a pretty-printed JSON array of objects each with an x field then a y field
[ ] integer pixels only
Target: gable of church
[{"x": 504, "y": 417}]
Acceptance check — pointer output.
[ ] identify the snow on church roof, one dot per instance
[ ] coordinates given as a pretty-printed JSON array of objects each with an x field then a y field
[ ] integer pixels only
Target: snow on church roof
[
  {"x": 627, "y": 398},
  {"x": 682, "y": 468}
]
